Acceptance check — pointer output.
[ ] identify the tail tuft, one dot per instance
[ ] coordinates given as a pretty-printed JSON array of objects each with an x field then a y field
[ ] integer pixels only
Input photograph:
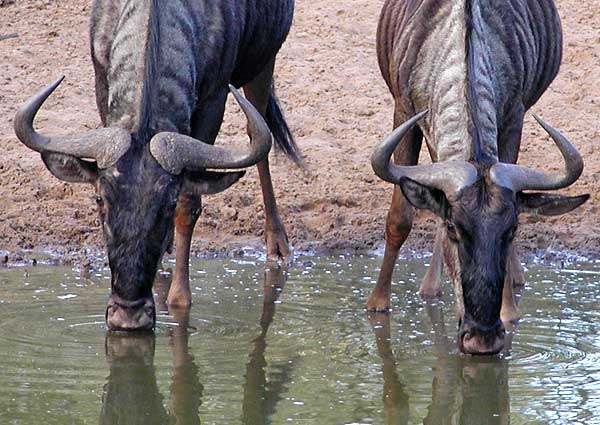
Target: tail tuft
[{"x": 280, "y": 130}]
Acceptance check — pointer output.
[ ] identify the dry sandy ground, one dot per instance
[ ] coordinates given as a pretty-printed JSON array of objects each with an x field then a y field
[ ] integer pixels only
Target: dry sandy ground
[{"x": 337, "y": 106}]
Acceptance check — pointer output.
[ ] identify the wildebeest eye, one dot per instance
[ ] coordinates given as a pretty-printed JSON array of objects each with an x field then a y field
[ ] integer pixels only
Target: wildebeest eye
[{"x": 99, "y": 200}]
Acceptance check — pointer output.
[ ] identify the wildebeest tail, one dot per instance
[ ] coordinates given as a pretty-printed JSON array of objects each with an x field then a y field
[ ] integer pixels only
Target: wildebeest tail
[{"x": 280, "y": 130}]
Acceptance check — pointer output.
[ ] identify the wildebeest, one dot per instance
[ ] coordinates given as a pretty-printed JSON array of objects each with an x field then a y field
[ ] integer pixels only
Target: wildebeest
[
  {"x": 162, "y": 74},
  {"x": 476, "y": 66}
]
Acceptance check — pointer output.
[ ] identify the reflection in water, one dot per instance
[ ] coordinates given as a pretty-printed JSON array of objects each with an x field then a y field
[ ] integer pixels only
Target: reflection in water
[
  {"x": 260, "y": 397},
  {"x": 465, "y": 390},
  {"x": 131, "y": 395},
  {"x": 54, "y": 364},
  {"x": 395, "y": 399}
]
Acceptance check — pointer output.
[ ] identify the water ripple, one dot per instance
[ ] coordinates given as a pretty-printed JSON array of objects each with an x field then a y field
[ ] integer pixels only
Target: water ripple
[{"x": 312, "y": 355}]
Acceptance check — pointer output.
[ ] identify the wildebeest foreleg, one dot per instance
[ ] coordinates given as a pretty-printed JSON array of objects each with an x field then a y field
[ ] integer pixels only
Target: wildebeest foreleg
[
  {"x": 205, "y": 126},
  {"x": 186, "y": 215},
  {"x": 516, "y": 269},
  {"x": 258, "y": 92},
  {"x": 399, "y": 219},
  {"x": 432, "y": 282},
  {"x": 510, "y": 311}
]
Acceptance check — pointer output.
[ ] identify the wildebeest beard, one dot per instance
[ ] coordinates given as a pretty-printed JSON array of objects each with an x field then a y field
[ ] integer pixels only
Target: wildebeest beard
[
  {"x": 139, "y": 200},
  {"x": 482, "y": 224}
]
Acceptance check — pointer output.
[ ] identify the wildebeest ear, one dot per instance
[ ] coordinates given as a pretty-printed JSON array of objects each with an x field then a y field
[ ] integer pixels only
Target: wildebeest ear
[
  {"x": 425, "y": 197},
  {"x": 70, "y": 169},
  {"x": 549, "y": 204},
  {"x": 210, "y": 182}
]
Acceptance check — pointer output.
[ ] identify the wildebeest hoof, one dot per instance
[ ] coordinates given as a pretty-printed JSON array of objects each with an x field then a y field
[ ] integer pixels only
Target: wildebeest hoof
[
  {"x": 510, "y": 316},
  {"x": 375, "y": 305},
  {"x": 179, "y": 299},
  {"x": 278, "y": 247}
]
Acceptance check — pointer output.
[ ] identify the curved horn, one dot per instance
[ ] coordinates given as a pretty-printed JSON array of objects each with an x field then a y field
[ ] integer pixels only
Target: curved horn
[
  {"x": 105, "y": 145},
  {"x": 176, "y": 152},
  {"x": 450, "y": 176},
  {"x": 520, "y": 178}
]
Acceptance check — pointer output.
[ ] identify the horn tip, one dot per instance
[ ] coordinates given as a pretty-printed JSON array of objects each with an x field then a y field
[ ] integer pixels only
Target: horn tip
[
  {"x": 236, "y": 93},
  {"x": 233, "y": 90},
  {"x": 57, "y": 82}
]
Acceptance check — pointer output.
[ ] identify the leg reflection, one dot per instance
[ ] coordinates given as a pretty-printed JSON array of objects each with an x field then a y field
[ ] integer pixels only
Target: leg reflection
[
  {"x": 395, "y": 399},
  {"x": 186, "y": 389},
  {"x": 445, "y": 379},
  {"x": 260, "y": 396}
]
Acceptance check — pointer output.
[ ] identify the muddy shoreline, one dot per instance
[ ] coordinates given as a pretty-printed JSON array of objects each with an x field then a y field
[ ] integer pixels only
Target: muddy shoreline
[{"x": 94, "y": 258}]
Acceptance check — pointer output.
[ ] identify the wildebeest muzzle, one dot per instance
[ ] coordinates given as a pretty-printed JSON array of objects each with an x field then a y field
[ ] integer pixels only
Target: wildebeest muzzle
[
  {"x": 125, "y": 315},
  {"x": 477, "y": 339}
]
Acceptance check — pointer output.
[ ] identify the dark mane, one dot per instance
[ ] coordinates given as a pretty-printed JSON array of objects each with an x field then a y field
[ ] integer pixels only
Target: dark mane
[
  {"x": 478, "y": 154},
  {"x": 151, "y": 70}
]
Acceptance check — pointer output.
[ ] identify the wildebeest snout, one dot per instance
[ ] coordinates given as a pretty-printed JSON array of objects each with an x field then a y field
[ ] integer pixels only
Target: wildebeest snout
[
  {"x": 122, "y": 315},
  {"x": 477, "y": 339}
]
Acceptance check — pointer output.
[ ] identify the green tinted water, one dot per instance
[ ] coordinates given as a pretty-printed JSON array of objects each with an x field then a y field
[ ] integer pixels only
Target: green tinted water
[{"x": 306, "y": 354}]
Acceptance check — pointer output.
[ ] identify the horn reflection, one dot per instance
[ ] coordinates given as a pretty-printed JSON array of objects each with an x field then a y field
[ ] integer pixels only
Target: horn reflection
[{"x": 465, "y": 390}]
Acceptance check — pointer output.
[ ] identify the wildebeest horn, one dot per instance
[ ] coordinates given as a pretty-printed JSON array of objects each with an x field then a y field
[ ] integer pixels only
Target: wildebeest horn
[
  {"x": 519, "y": 178},
  {"x": 176, "y": 152},
  {"x": 105, "y": 145},
  {"x": 448, "y": 176}
]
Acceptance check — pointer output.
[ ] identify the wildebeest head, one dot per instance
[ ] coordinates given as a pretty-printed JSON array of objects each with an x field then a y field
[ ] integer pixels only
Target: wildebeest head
[
  {"x": 137, "y": 188},
  {"x": 479, "y": 205}
]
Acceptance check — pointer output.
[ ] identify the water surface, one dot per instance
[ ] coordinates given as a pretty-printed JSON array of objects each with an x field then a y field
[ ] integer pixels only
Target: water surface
[{"x": 294, "y": 347}]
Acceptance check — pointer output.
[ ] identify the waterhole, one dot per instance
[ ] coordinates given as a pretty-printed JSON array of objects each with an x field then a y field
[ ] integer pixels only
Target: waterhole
[{"x": 294, "y": 346}]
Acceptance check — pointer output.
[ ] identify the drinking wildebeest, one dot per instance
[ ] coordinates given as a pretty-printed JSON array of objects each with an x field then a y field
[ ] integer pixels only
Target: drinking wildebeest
[
  {"x": 476, "y": 66},
  {"x": 162, "y": 74}
]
